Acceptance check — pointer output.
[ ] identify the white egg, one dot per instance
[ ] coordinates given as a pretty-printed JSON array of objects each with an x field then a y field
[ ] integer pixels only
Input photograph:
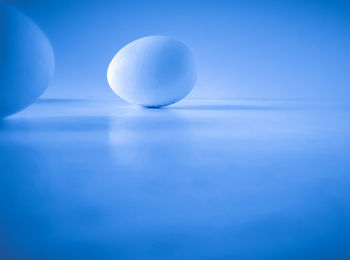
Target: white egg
[
  {"x": 153, "y": 71},
  {"x": 26, "y": 61}
]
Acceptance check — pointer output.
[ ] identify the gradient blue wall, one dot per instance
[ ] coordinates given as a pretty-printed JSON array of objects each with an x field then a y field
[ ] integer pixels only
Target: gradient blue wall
[{"x": 244, "y": 49}]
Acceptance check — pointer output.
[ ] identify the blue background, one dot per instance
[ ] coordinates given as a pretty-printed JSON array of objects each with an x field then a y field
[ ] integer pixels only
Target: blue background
[
  {"x": 254, "y": 166},
  {"x": 244, "y": 49}
]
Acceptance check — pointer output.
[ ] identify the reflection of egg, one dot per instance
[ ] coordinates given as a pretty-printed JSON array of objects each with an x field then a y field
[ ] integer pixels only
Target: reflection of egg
[
  {"x": 26, "y": 61},
  {"x": 153, "y": 71}
]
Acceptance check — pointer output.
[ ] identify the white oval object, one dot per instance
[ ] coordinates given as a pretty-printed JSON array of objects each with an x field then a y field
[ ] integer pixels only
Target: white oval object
[
  {"x": 153, "y": 71},
  {"x": 26, "y": 61}
]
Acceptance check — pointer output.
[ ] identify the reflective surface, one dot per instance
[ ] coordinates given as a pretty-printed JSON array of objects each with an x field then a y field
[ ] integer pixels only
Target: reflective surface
[{"x": 202, "y": 179}]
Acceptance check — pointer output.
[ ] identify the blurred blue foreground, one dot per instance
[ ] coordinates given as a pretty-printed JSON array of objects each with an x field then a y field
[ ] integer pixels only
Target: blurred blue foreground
[{"x": 202, "y": 179}]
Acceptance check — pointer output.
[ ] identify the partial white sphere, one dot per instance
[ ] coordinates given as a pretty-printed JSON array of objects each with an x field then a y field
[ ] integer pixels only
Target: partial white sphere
[
  {"x": 153, "y": 71},
  {"x": 26, "y": 61}
]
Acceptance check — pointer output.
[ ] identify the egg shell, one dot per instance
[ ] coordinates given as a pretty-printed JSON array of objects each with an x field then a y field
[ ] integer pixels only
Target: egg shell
[
  {"x": 26, "y": 61},
  {"x": 154, "y": 71}
]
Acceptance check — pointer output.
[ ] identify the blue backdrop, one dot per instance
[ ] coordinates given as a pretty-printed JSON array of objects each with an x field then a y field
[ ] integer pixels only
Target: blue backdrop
[
  {"x": 244, "y": 49},
  {"x": 204, "y": 179}
]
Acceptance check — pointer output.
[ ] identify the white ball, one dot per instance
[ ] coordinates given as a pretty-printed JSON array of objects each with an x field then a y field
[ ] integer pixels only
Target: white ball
[
  {"x": 153, "y": 71},
  {"x": 26, "y": 61}
]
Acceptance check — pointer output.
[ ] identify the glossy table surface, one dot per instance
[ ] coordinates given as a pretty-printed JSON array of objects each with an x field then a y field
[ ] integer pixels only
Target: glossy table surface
[{"x": 202, "y": 179}]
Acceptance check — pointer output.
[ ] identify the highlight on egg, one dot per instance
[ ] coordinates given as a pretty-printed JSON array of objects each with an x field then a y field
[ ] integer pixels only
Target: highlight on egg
[
  {"x": 153, "y": 71},
  {"x": 26, "y": 61}
]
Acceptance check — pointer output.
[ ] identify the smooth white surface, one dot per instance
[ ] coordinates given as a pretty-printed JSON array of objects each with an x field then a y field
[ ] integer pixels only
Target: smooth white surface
[
  {"x": 153, "y": 71},
  {"x": 26, "y": 61}
]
